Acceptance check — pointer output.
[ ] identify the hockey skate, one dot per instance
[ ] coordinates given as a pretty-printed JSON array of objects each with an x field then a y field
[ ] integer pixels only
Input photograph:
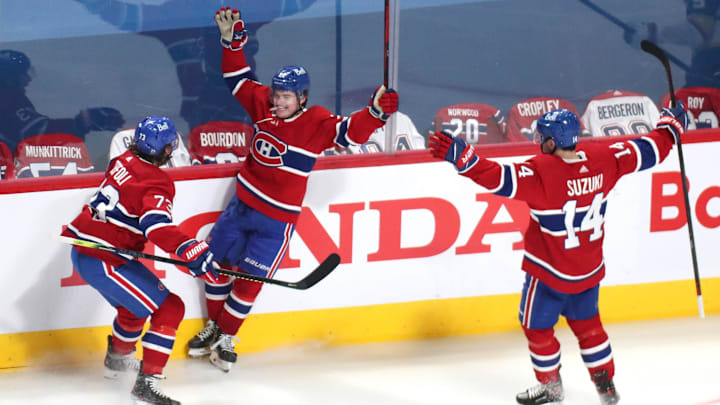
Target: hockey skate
[
  {"x": 550, "y": 393},
  {"x": 118, "y": 364},
  {"x": 223, "y": 354},
  {"x": 605, "y": 388},
  {"x": 199, "y": 345},
  {"x": 147, "y": 392}
]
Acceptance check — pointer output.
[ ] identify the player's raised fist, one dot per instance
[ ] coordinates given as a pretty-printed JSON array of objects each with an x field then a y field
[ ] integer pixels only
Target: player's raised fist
[
  {"x": 674, "y": 119},
  {"x": 452, "y": 149},
  {"x": 383, "y": 103},
  {"x": 232, "y": 29}
]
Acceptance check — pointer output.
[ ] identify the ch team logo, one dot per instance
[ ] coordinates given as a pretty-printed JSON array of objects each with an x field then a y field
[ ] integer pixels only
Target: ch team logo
[{"x": 268, "y": 150}]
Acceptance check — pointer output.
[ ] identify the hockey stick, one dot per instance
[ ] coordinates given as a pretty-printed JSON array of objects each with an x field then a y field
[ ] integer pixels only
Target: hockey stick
[
  {"x": 319, "y": 273},
  {"x": 626, "y": 27},
  {"x": 386, "y": 46},
  {"x": 657, "y": 52}
]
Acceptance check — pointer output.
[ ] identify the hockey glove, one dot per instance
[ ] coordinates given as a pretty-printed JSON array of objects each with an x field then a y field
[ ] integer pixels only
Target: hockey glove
[
  {"x": 383, "y": 103},
  {"x": 199, "y": 259},
  {"x": 99, "y": 119},
  {"x": 674, "y": 119},
  {"x": 453, "y": 149},
  {"x": 233, "y": 34}
]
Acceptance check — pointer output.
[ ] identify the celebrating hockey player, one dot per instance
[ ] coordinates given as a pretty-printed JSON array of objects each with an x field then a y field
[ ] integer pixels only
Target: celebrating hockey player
[
  {"x": 566, "y": 189},
  {"x": 132, "y": 205},
  {"x": 254, "y": 230}
]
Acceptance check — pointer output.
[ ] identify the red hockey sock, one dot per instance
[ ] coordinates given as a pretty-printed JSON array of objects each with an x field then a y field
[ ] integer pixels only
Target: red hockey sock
[
  {"x": 126, "y": 332},
  {"x": 238, "y": 305},
  {"x": 160, "y": 338},
  {"x": 594, "y": 345},
  {"x": 544, "y": 354}
]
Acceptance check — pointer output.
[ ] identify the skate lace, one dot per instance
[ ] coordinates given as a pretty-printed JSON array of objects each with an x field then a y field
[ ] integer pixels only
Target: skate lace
[
  {"x": 225, "y": 342},
  {"x": 207, "y": 331},
  {"x": 152, "y": 381},
  {"x": 536, "y": 391},
  {"x": 122, "y": 361},
  {"x": 130, "y": 362}
]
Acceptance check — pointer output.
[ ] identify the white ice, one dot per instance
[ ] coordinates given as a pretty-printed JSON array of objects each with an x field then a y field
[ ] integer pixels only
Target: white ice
[{"x": 674, "y": 361}]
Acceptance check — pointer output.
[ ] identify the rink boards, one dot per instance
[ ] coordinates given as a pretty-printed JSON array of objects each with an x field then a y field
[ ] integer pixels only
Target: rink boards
[{"x": 425, "y": 253}]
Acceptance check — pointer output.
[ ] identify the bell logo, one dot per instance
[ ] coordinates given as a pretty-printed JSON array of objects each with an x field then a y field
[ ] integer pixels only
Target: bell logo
[{"x": 298, "y": 71}]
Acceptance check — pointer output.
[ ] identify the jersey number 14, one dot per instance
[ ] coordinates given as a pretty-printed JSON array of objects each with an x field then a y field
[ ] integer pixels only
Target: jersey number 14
[{"x": 589, "y": 218}]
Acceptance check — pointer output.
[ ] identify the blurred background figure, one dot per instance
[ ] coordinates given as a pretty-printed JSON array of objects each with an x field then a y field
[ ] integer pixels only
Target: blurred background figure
[
  {"x": 700, "y": 32},
  {"x": 193, "y": 48},
  {"x": 19, "y": 119}
]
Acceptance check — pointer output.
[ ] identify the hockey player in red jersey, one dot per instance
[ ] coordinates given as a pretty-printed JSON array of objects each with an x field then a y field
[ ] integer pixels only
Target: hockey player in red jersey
[
  {"x": 132, "y": 205},
  {"x": 254, "y": 230},
  {"x": 566, "y": 190}
]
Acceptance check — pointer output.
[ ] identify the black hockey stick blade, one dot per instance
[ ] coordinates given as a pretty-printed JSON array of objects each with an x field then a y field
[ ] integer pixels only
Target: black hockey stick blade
[
  {"x": 315, "y": 276},
  {"x": 652, "y": 48},
  {"x": 320, "y": 272}
]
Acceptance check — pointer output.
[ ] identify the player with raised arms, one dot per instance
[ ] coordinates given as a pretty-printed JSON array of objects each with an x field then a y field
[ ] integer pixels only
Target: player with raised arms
[
  {"x": 132, "y": 205},
  {"x": 566, "y": 188},
  {"x": 254, "y": 230}
]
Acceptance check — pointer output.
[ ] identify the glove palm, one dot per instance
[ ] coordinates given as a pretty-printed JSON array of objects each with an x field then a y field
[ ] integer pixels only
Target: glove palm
[{"x": 232, "y": 29}]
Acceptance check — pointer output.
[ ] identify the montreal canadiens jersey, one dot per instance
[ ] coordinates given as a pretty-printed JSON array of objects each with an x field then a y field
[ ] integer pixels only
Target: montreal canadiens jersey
[
  {"x": 122, "y": 140},
  {"x": 619, "y": 112},
  {"x": 702, "y": 103},
  {"x": 220, "y": 142},
  {"x": 7, "y": 165},
  {"x": 51, "y": 155},
  {"x": 567, "y": 201},
  {"x": 133, "y": 204},
  {"x": 407, "y": 137},
  {"x": 273, "y": 179},
  {"x": 478, "y": 124},
  {"x": 523, "y": 116}
]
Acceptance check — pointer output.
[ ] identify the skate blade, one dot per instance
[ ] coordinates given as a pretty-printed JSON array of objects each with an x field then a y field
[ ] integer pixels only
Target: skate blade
[
  {"x": 219, "y": 363},
  {"x": 199, "y": 352},
  {"x": 140, "y": 401},
  {"x": 116, "y": 375}
]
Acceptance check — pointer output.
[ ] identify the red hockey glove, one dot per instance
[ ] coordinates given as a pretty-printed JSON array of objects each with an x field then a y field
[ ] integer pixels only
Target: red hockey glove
[
  {"x": 199, "y": 258},
  {"x": 453, "y": 149},
  {"x": 674, "y": 120},
  {"x": 232, "y": 29},
  {"x": 383, "y": 103}
]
